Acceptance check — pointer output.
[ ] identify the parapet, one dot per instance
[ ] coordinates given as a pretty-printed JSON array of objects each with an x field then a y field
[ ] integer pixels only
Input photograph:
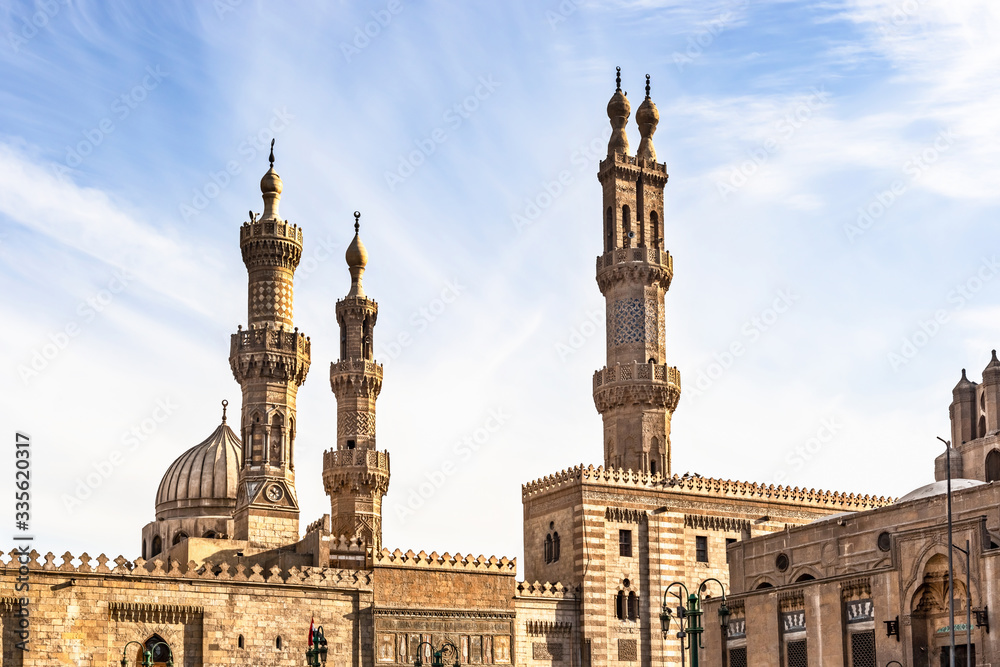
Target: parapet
[
  {"x": 281, "y": 228},
  {"x": 433, "y": 561},
  {"x": 317, "y": 577},
  {"x": 703, "y": 486},
  {"x": 546, "y": 590}
]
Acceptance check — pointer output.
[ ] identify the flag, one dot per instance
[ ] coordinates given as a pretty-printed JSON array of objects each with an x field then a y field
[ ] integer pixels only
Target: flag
[{"x": 312, "y": 622}]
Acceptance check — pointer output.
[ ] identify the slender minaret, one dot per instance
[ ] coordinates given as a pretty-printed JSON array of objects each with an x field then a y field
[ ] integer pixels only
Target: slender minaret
[
  {"x": 270, "y": 360},
  {"x": 636, "y": 393},
  {"x": 356, "y": 474}
]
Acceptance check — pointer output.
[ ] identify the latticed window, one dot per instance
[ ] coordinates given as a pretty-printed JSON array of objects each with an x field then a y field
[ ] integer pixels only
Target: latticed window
[
  {"x": 701, "y": 548},
  {"x": 795, "y": 653},
  {"x": 863, "y": 649},
  {"x": 625, "y": 543},
  {"x": 738, "y": 657}
]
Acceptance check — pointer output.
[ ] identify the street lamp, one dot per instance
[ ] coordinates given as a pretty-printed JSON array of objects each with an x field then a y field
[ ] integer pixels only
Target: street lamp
[
  {"x": 693, "y": 615},
  {"x": 147, "y": 654},
  {"x": 317, "y": 648},
  {"x": 438, "y": 654}
]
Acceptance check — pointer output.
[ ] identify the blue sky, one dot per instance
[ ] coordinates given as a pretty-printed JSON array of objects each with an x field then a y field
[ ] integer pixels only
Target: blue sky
[{"x": 835, "y": 161}]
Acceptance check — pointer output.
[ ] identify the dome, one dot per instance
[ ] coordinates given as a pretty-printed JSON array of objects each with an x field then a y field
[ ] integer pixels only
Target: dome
[
  {"x": 356, "y": 255},
  {"x": 203, "y": 480},
  {"x": 938, "y": 488},
  {"x": 618, "y": 106},
  {"x": 270, "y": 182}
]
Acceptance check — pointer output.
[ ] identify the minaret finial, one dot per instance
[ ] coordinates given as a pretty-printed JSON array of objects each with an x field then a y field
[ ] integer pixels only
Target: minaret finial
[
  {"x": 357, "y": 222},
  {"x": 225, "y": 404},
  {"x": 618, "y": 80},
  {"x": 271, "y": 156},
  {"x": 647, "y": 86}
]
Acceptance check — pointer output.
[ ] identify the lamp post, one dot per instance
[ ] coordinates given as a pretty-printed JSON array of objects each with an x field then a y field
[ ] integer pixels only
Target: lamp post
[
  {"x": 317, "y": 648},
  {"x": 147, "y": 654},
  {"x": 693, "y": 615},
  {"x": 438, "y": 654},
  {"x": 951, "y": 556}
]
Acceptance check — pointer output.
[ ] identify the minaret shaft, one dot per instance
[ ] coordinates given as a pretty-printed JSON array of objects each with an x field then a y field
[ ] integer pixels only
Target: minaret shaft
[
  {"x": 636, "y": 392},
  {"x": 270, "y": 360}
]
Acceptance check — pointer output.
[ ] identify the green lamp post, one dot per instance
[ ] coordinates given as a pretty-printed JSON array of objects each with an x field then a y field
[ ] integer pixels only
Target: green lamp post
[
  {"x": 692, "y": 615},
  {"x": 147, "y": 654},
  {"x": 316, "y": 655},
  {"x": 438, "y": 655}
]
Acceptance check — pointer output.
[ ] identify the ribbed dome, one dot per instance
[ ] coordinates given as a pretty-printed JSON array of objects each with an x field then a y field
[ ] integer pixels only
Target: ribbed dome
[{"x": 202, "y": 481}]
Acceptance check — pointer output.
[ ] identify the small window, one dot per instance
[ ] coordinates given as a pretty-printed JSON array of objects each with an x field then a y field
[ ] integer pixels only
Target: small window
[
  {"x": 157, "y": 546},
  {"x": 240, "y": 643},
  {"x": 555, "y": 547},
  {"x": 277, "y": 642},
  {"x": 350, "y": 444},
  {"x": 620, "y": 606},
  {"x": 625, "y": 543},
  {"x": 633, "y": 606},
  {"x": 797, "y": 654},
  {"x": 652, "y": 466},
  {"x": 548, "y": 548},
  {"x": 729, "y": 540},
  {"x": 805, "y": 577},
  {"x": 701, "y": 548},
  {"x": 993, "y": 466}
]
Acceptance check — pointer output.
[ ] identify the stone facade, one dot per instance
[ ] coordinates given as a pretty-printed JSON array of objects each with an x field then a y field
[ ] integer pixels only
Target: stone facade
[{"x": 224, "y": 577}]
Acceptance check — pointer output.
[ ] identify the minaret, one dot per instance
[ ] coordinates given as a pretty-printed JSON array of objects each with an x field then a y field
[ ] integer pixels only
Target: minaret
[
  {"x": 356, "y": 474},
  {"x": 636, "y": 392},
  {"x": 270, "y": 360}
]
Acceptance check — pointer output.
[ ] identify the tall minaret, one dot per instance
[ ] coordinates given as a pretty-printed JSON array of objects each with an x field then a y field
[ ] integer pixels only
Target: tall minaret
[
  {"x": 270, "y": 360},
  {"x": 356, "y": 474},
  {"x": 636, "y": 393}
]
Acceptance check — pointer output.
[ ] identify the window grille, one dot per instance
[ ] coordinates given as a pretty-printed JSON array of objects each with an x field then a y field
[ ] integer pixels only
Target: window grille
[
  {"x": 738, "y": 657},
  {"x": 701, "y": 548},
  {"x": 863, "y": 649},
  {"x": 796, "y": 654}
]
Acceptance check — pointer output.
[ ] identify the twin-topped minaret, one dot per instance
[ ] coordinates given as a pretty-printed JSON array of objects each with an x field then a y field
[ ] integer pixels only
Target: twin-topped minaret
[
  {"x": 356, "y": 474},
  {"x": 270, "y": 360},
  {"x": 636, "y": 392}
]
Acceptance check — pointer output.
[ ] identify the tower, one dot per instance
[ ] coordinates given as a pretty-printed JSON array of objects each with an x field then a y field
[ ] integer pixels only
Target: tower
[
  {"x": 270, "y": 360},
  {"x": 356, "y": 474},
  {"x": 636, "y": 392}
]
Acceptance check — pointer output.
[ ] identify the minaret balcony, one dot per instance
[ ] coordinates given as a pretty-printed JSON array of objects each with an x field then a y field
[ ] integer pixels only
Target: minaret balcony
[
  {"x": 356, "y": 458},
  {"x": 637, "y": 382},
  {"x": 648, "y": 265},
  {"x": 269, "y": 340},
  {"x": 356, "y": 367}
]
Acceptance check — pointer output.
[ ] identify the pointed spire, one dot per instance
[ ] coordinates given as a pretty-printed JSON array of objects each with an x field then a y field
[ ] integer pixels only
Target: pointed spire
[
  {"x": 618, "y": 112},
  {"x": 270, "y": 158},
  {"x": 357, "y": 258},
  {"x": 647, "y": 117},
  {"x": 270, "y": 188}
]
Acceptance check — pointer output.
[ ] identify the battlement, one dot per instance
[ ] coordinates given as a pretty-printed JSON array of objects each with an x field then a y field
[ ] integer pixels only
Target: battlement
[
  {"x": 653, "y": 256},
  {"x": 316, "y": 577},
  {"x": 271, "y": 227},
  {"x": 703, "y": 486},
  {"x": 367, "y": 458},
  {"x": 546, "y": 590},
  {"x": 433, "y": 561},
  {"x": 270, "y": 340}
]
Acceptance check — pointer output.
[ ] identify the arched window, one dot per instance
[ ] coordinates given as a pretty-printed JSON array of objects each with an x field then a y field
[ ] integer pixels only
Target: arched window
[
  {"x": 620, "y": 606},
  {"x": 762, "y": 585},
  {"x": 609, "y": 227},
  {"x": 277, "y": 642},
  {"x": 144, "y": 549},
  {"x": 343, "y": 342},
  {"x": 157, "y": 546},
  {"x": 805, "y": 577},
  {"x": 555, "y": 547},
  {"x": 549, "y": 549},
  {"x": 240, "y": 643},
  {"x": 159, "y": 648},
  {"x": 210, "y": 534},
  {"x": 633, "y": 606},
  {"x": 654, "y": 222},
  {"x": 180, "y": 536},
  {"x": 276, "y": 439},
  {"x": 626, "y": 226},
  {"x": 982, "y": 427},
  {"x": 366, "y": 339},
  {"x": 993, "y": 466},
  {"x": 652, "y": 466}
]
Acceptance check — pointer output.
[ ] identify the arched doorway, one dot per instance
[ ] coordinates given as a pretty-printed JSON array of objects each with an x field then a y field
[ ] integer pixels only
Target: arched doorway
[
  {"x": 929, "y": 614},
  {"x": 159, "y": 648}
]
